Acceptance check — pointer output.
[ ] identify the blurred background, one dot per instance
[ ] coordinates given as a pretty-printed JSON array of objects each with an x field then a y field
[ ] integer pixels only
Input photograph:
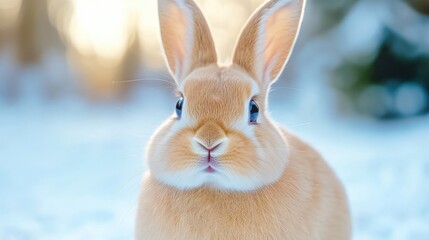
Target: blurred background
[{"x": 83, "y": 85}]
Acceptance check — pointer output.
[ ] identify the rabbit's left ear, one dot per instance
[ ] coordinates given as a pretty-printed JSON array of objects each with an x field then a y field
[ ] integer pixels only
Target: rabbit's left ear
[
  {"x": 267, "y": 40},
  {"x": 186, "y": 37}
]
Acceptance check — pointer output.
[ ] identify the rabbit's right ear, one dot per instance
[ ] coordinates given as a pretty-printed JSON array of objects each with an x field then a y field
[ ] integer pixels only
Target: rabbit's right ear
[
  {"x": 267, "y": 40},
  {"x": 186, "y": 37}
]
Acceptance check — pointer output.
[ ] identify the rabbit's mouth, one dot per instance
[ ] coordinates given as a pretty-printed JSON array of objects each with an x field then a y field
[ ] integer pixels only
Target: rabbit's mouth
[
  {"x": 209, "y": 163},
  {"x": 209, "y": 158},
  {"x": 209, "y": 169}
]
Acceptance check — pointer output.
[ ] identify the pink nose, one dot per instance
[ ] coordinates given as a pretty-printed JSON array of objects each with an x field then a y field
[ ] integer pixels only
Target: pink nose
[{"x": 209, "y": 148}]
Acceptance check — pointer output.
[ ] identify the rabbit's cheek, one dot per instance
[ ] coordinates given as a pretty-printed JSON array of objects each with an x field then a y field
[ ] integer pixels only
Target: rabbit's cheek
[
  {"x": 241, "y": 157},
  {"x": 178, "y": 153}
]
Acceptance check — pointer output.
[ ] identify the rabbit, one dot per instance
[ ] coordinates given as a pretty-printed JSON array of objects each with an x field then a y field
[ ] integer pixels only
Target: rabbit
[{"x": 220, "y": 167}]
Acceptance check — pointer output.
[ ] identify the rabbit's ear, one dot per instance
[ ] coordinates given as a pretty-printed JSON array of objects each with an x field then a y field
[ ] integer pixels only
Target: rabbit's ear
[
  {"x": 267, "y": 39},
  {"x": 186, "y": 37}
]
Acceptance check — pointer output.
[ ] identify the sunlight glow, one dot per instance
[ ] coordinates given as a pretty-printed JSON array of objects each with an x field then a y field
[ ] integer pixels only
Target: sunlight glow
[
  {"x": 105, "y": 28},
  {"x": 100, "y": 27},
  {"x": 9, "y": 10},
  {"x": 148, "y": 31}
]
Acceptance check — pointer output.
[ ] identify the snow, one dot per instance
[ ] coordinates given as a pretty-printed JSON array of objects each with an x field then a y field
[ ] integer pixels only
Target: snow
[{"x": 71, "y": 170}]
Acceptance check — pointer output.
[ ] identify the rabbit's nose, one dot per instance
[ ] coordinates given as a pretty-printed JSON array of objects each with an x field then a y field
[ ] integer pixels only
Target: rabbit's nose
[
  {"x": 214, "y": 150},
  {"x": 210, "y": 137},
  {"x": 209, "y": 148},
  {"x": 209, "y": 134}
]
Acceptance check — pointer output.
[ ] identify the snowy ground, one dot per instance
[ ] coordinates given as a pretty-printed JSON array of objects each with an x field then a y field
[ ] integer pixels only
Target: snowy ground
[{"x": 70, "y": 170}]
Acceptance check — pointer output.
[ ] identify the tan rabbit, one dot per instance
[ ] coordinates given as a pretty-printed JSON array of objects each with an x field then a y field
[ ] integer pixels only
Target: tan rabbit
[{"x": 220, "y": 168}]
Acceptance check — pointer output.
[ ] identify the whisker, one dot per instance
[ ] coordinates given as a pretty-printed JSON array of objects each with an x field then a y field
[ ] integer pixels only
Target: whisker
[
  {"x": 145, "y": 79},
  {"x": 301, "y": 124},
  {"x": 260, "y": 148},
  {"x": 137, "y": 176},
  {"x": 291, "y": 89}
]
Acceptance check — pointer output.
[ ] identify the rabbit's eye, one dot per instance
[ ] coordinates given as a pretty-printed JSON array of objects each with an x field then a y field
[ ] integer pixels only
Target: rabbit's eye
[
  {"x": 254, "y": 112},
  {"x": 179, "y": 106}
]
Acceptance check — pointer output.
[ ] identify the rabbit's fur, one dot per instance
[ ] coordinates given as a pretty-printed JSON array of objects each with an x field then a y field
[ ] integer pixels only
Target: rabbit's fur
[{"x": 264, "y": 182}]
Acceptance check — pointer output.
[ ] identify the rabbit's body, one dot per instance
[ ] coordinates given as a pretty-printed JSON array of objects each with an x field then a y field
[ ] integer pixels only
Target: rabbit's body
[
  {"x": 220, "y": 168},
  {"x": 307, "y": 202}
]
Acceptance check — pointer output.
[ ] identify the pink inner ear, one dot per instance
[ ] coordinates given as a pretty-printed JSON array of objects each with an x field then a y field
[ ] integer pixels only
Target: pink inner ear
[
  {"x": 277, "y": 41},
  {"x": 268, "y": 67},
  {"x": 178, "y": 27},
  {"x": 175, "y": 27},
  {"x": 270, "y": 58}
]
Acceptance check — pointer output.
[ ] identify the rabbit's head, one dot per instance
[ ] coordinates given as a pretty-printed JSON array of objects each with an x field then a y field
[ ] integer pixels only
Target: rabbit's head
[{"x": 221, "y": 136}]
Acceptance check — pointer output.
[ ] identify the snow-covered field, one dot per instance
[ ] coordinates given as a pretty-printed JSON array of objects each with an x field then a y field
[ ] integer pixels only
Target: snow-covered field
[{"x": 71, "y": 170}]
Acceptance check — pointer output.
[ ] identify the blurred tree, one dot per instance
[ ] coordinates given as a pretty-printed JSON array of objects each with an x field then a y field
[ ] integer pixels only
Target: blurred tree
[
  {"x": 35, "y": 33},
  {"x": 101, "y": 44},
  {"x": 326, "y": 14},
  {"x": 101, "y": 77},
  {"x": 32, "y": 38},
  {"x": 37, "y": 43},
  {"x": 421, "y": 6},
  {"x": 393, "y": 85},
  {"x": 9, "y": 10},
  {"x": 28, "y": 42},
  {"x": 394, "y": 82}
]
